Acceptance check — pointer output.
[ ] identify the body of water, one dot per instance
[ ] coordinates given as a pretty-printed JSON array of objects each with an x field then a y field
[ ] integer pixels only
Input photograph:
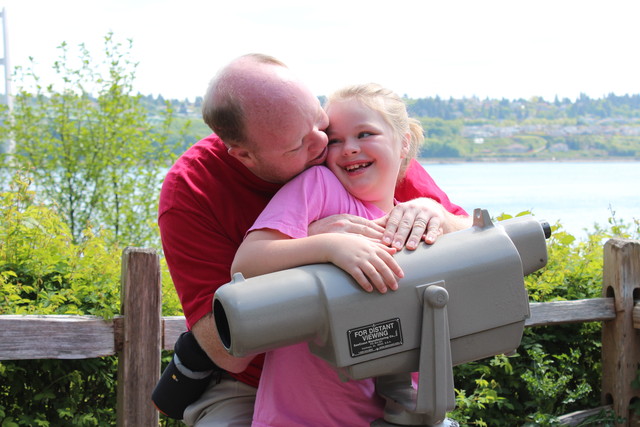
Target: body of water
[{"x": 577, "y": 194}]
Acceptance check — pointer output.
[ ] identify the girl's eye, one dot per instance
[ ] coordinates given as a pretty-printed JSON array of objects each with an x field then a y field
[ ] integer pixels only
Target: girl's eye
[{"x": 364, "y": 134}]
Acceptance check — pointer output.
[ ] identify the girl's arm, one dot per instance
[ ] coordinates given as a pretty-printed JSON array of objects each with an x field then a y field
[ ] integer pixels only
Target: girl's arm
[{"x": 370, "y": 263}]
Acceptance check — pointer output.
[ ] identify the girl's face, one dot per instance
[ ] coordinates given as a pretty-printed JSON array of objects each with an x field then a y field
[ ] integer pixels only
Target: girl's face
[{"x": 364, "y": 153}]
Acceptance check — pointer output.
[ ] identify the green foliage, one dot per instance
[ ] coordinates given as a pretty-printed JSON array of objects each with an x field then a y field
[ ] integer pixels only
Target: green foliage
[
  {"x": 83, "y": 182},
  {"x": 529, "y": 129},
  {"x": 604, "y": 418},
  {"x": 90, "y": 146},
  {"x": 610, "y": 106},
  {"x": 43, "y": 271},
  {"x": 58, "y": 393},
  {"x": 557, "y": 369},
  {"x": 431, "y": 149}
]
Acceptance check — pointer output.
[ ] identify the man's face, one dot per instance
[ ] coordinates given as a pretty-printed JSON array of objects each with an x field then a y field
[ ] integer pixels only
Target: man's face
[{"x": 288, "y": 134}]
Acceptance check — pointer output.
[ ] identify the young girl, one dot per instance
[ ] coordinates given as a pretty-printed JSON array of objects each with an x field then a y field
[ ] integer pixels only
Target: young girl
[{"x": 371, "y": 140}]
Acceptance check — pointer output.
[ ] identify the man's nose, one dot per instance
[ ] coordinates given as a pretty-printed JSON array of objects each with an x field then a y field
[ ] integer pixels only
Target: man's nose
[{"x": 320, "y": 139}]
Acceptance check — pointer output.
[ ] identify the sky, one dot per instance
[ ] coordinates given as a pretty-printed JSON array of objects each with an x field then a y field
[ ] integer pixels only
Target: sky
[{"x": 420, "y": 48}]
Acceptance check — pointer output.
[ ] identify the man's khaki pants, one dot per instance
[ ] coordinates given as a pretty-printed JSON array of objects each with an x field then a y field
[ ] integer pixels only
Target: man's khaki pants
[{"x": 227, "y": 403}]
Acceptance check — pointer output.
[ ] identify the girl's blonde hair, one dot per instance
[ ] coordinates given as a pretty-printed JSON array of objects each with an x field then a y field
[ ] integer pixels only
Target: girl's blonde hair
[{"x": 393, "y": 110}]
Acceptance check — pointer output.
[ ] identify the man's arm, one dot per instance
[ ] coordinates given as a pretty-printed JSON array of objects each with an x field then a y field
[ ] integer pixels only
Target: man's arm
[
  {"x": 198, "y": 267},
  {"x": 207, "y": 336}
]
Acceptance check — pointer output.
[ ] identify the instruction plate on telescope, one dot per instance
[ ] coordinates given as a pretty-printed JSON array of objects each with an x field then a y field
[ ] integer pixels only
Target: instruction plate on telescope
[{"x": 374, "y": 337}]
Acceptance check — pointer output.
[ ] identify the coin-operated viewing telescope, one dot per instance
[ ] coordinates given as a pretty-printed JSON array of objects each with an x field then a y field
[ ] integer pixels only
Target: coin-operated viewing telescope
[{"x": 461, "y": 299}]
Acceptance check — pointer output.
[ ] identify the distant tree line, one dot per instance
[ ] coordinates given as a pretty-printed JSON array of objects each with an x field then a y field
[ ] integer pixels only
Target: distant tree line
[
  {"x": 473, "y": 108},
  {"x": 611, "y": 106},
  {"x": 473, "y": 128},
  {"x": 180, "y": 107}
]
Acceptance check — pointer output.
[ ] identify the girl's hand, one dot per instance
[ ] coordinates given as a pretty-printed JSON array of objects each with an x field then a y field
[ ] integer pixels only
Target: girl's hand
[{"x": 370, "y": 263}]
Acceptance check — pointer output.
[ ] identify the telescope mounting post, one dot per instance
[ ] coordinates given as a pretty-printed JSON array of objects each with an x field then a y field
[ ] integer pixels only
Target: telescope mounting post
[{"x": 435, "y": 395}]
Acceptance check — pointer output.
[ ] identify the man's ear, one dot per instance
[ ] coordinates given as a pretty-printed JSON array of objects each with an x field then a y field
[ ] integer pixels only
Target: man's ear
[{"x": 243, "y": 155}]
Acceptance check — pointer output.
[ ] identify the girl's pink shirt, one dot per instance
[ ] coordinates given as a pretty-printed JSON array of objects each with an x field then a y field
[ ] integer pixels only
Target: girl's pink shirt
[
  {"x": 296, "y": 387},
  {"x": 314, "y": 194}
]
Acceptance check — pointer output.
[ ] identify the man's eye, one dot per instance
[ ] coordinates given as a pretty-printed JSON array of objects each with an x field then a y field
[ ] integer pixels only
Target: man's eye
[{"x": 333, "y": 141}]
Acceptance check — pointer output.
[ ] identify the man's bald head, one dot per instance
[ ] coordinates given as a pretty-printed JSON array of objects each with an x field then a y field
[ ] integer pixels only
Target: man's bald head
[
  {"x": 247, "y": 84},
  {"x": 267, "y": 117}
]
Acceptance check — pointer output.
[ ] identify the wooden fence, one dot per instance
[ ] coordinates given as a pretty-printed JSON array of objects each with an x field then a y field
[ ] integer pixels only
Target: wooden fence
[{"x": 139, "y": 334}]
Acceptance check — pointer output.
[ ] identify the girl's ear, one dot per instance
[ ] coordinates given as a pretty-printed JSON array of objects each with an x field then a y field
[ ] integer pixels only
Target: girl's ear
[{"x": 406, "y": 145}]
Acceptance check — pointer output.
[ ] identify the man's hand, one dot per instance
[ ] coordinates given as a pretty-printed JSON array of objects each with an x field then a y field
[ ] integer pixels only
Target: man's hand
[
  {"x": 416, "y": 220},
  {"x": 346, "y": 223},
  {"x": 408, "y": 223}
]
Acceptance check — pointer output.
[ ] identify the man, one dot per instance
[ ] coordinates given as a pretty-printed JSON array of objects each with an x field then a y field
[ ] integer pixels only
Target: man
[{"x": 273, "y": 129}]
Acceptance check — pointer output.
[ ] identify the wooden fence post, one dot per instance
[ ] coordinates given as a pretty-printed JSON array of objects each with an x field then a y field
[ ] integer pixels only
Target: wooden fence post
[
  {"x": 139, "y": 352},
  {"x": 620, "y": 341}
]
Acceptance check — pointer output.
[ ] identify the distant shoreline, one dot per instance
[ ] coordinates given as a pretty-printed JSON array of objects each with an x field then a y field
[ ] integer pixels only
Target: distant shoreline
[{"x": 449, "y": 160}]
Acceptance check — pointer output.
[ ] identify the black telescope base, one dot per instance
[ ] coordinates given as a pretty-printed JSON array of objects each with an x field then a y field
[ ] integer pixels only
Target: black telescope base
[{"x": 448, "y": 422}]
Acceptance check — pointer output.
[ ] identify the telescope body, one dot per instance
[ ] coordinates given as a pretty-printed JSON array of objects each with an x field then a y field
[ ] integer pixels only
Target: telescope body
[{"x": 371, "y": 334}]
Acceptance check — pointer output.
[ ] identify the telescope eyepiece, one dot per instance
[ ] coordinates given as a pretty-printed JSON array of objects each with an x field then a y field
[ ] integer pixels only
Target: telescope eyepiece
[
  {"x": 222, "y": 324},
  {"x": 546, "y": 228}
]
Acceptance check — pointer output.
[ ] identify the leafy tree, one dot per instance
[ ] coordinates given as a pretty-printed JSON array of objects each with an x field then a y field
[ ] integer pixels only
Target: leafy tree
[{"x": 89, "y": 145}]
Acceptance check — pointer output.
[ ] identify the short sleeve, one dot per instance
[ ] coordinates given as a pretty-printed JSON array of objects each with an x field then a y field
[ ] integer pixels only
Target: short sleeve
[{"x": 314, "y": 194}]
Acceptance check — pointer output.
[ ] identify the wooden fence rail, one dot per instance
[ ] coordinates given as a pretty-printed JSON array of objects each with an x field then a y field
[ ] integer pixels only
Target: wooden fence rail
[{"x": 139, "y": 334}]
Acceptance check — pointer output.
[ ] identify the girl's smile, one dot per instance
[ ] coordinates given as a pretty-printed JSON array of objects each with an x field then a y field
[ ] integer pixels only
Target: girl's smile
[{"x": 357, "y": 166}]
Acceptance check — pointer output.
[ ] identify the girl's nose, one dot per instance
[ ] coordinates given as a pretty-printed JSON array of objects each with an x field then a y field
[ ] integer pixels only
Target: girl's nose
[{"x": 350, "y": 146}]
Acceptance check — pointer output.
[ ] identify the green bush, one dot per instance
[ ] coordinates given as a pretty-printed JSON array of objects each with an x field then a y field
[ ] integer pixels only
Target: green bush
[
  {"x": 42, "y": 271},
  {"x": 556, "y": 370}
]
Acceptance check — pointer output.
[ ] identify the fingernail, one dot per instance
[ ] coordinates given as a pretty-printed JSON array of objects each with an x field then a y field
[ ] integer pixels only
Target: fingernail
[{"x": 386, "y": 240}]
